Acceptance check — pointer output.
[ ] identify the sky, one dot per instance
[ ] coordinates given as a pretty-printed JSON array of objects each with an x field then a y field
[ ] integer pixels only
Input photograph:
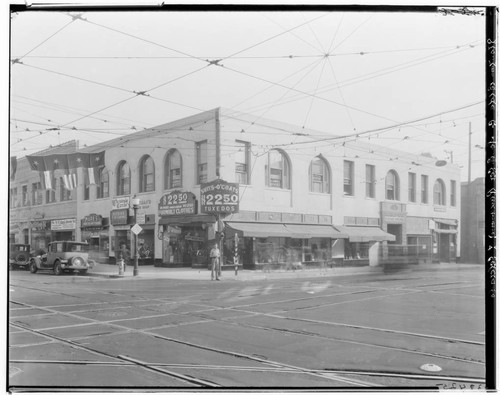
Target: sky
[{"x": 412, "y": 81}]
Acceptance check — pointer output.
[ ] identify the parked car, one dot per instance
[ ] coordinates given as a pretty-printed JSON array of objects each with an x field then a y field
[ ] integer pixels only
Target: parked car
[
  {"x": 19, "y": 256},
  {"x": 63, "y": 256}
]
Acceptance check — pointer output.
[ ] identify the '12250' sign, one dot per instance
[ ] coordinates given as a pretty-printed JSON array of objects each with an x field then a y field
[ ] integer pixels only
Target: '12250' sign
[{"x": 219, "y": 197}]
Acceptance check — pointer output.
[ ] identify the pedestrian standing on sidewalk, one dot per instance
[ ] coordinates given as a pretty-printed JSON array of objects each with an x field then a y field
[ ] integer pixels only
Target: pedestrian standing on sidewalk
[
  {"x": 215, "y": 261},
  {"x": 125, "y": 255}
]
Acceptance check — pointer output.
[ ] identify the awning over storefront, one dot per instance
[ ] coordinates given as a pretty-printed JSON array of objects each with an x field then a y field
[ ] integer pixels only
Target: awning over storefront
[
  {"x": 301, "y": 231},
  {"x": 452, "y": 222},
  {"x": 295, "y": 231},
  {"x": 186, "y": 219},
  {"x": 361, "y": 234},
  {"x": 453, "y": 231},
  {"x": 253, "y": 229}
]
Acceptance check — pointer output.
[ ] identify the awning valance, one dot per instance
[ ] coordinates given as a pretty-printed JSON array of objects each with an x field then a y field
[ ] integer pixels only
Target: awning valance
[
  {"x": 295, "y": 231},
  {"x": 186, "y": 219},
  {"x": 453, "y": 231},
  {"x": 361, "y": 234},
  {"x": 452, "y": 222},
  {"x": 253, "y": 229},
  {"x": 302, "y": 231}
]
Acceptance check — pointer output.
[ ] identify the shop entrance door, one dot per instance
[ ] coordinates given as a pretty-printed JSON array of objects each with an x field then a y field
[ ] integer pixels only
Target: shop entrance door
[
  {"x": 444, "y": 247},
  {"x": 396, "y": 230}
]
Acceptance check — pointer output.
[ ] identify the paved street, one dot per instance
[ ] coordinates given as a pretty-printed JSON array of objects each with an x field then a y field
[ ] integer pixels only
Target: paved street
[{"x": 357, "y": 331}]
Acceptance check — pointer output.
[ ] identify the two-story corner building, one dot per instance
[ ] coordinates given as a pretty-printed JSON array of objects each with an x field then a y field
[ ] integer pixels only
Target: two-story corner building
[
  {"x": 38, "y": 216},
  {"x": 304, "y": 196}
]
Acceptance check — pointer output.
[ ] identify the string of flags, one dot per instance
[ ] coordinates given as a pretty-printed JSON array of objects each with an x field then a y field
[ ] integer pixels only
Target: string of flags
[{"x": 46, "y": 165}]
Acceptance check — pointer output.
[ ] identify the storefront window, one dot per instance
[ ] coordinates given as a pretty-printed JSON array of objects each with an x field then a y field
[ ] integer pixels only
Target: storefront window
[
  {"x": 356, "y": 250},
  {"x": 285, "y": 250}
]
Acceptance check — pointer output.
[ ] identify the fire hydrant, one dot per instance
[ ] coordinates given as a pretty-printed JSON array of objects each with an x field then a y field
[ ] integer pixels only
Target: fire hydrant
[{"x": 121, "y": 267}]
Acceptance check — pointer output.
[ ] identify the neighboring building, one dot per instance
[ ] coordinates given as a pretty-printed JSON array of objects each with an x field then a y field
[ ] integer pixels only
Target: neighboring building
[
  {"x": 300, "y": 200},
  {"x": 38, "y": 216},
  {"x": 473, "y": 236}
]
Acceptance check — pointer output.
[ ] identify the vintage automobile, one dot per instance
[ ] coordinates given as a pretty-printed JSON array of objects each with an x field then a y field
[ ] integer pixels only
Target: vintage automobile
[
  {"x": 63, "y": 256},
  {"x": 19, "y": 256}
]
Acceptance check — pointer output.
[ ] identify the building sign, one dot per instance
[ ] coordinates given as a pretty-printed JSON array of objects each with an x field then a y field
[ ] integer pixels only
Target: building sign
[
  {"x": 177, "y": 202},
  {"x": 92, "y": 221},
  {"x": 219, "y": 196},
  {"x": 63, "y": 224},
  {"x": 120, "y": 203},
  {"x": 119, "y": 217},
  {"x": 38, "y": 225}
]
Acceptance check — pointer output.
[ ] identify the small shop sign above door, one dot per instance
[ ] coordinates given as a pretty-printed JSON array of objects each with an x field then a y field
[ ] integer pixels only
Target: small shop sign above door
[
  {"x": 219, "y": 197},
  {"x": 177, "y": 202}
]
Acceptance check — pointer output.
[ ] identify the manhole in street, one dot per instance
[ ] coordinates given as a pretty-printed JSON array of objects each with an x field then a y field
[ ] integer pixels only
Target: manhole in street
[
  {"x": 114, "y": 313},
  {"x": 13, "y": 371},
  {"x": 430, "y": 367}
]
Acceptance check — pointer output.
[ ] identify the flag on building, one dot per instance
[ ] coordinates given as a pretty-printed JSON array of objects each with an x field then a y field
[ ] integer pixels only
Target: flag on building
[
  {"x": 96, "y": 161},
  {"x": 13, "y": 167},
  {"x": 37, "y": 163},
  {"x": 69, "y": 177}
]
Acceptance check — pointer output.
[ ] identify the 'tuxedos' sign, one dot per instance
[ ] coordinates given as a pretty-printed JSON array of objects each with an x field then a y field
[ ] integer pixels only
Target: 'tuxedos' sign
[{"x": 219, "y": 197}]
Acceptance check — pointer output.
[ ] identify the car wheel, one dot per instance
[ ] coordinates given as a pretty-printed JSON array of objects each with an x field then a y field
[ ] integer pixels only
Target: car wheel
[
  {"x": 57, "y": 269},
  {"x": 33, "y": 268}
]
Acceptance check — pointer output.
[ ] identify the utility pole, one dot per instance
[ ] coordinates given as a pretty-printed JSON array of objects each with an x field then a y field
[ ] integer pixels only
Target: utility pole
[{"x": 470, "y": 145}]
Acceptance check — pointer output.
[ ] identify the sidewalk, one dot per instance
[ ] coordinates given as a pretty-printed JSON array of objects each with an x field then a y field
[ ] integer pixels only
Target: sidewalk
[{"x": 151, "y": 272}]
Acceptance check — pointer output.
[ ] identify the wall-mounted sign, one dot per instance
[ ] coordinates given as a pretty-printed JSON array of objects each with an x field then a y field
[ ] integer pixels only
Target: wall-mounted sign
[
  {"x": 92, "y": 221},
  {"x": 119, "y": 217},
  {"x": 219, "y": 196},
  {"x": 63, "y": 224},
  {"x": 120, "y": 203},
  {"x": 177, "y": 202}
]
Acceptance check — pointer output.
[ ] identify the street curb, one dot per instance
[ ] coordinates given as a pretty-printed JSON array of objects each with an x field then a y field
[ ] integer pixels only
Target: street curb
[{"x": 286, "y": 274}]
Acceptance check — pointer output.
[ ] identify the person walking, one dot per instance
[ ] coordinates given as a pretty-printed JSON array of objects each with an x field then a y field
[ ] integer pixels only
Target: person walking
[{"x": 215, "y": 261}]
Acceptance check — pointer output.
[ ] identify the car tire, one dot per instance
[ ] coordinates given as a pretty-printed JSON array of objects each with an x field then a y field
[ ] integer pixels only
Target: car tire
[
  {"x": 33, "y": 268},
  {"x": 57, "y": 268}
]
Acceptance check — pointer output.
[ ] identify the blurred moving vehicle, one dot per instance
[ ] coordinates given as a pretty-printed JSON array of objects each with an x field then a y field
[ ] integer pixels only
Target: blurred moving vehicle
[
  {"x": 63, "y": 256},
  {"x": 19, "y": 256}
]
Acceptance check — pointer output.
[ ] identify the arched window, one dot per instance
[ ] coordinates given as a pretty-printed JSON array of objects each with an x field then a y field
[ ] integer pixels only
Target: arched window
[
  {"x": 392, "y": 185},
  {"x": 439, "y": 193},
  {"x": 319, "y": 175},
  {"x": 277, "y": 170},
  {"x": 146, "y": 174},
  {"x": 123, "y": 179},
  {"x": 103, "y": 185},
  {"x": 173, "y": 170}
]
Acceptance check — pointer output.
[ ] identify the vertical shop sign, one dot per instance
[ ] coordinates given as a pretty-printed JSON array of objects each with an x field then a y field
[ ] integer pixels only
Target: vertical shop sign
[{"x": 219, "y": 197}]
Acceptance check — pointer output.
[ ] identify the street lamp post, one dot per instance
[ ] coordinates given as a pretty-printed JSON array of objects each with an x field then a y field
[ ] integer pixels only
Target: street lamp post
[{"x": 135, "y": 206}]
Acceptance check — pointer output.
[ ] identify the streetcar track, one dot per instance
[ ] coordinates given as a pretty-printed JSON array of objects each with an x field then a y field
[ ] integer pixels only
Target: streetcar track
[
  {"x": 224, "y": 352},
  {"x": 100, "y": 353},
  {"x": 264, "y": 369},
  {"x": 294, "y": 369}
]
